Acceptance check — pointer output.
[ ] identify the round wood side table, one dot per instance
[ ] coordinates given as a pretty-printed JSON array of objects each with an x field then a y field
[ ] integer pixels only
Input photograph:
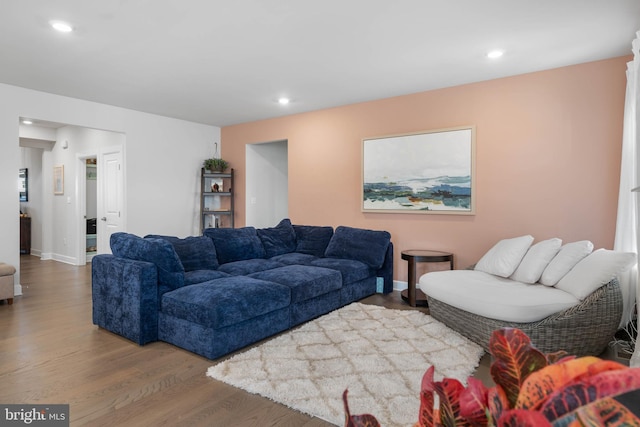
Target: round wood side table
[{"x": 412, "y": 295}]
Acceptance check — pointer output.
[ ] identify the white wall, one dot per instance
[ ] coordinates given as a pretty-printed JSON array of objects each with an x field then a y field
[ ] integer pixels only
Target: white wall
[
  {"x": 162, "y": 161},
  {"x": 267, "y": 182}
]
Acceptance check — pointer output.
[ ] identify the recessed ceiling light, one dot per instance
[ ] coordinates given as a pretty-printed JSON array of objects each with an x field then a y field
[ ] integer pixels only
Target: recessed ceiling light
[
  {"x": 283, "y": 101},
  {"x": 27, "y": 122},
  {"x": 495, "y": 54},
  {"x": 63, "y": 27}
]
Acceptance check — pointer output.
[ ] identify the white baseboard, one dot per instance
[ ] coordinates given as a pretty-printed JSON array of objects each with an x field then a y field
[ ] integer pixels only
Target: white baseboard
[
  {"x": 399, "y": 285},
  {"x": 65, "y": 259}
]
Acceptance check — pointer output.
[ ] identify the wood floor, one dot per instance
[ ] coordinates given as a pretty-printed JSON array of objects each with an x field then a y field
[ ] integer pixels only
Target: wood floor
[{"x": 50, "y": 352}]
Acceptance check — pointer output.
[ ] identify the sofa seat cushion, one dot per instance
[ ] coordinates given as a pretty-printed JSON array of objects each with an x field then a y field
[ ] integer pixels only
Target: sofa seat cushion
[
  {"x": 248, "y": 266},
  {"x": 226, "y": 301},
  {"x": 294, "y": 258},
  {"x": 495, "y": 297},
  {"x": 199, "y": 276},
  {"x": 306, "y": 282},
  {"x": 351, "y": 270}
]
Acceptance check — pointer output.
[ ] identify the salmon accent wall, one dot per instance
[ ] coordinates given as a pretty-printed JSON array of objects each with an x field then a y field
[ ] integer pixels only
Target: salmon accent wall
[{"x": 548, "y": 150}]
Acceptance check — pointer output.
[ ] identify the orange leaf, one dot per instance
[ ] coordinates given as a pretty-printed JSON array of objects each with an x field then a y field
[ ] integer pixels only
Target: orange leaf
[
  {"x": 604, "y": 412},
  {"x": 540, "y": 384},
  {"x": 588, "y": 389},
  {"x": 522, "y": 418}
]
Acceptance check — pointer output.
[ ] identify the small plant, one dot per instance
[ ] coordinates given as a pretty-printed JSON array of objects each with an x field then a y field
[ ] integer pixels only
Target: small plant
[
  {"x": 532, "y": 390},
  {"x": 215, "y": 164}
]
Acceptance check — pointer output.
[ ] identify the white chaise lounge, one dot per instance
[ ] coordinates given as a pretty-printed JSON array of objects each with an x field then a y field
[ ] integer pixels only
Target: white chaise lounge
[{"x": 564, "y": 297}]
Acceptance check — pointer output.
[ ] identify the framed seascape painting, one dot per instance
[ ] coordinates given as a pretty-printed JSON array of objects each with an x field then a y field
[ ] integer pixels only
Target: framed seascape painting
[{"x": 429, "y": 172}]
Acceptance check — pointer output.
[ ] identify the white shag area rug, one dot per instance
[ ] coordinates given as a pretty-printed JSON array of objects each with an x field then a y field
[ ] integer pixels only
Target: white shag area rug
[{"x": 379, "y": 354}]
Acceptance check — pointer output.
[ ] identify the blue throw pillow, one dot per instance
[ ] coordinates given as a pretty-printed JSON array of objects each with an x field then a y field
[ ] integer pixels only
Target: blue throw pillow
[
  {"x": 235, "y": 244},
  {"x": 278, "y": 240},
  {"x": 368, "y": 246},
  {"x": 195, "y": 252},
  {"x": 312, "y": 239}
]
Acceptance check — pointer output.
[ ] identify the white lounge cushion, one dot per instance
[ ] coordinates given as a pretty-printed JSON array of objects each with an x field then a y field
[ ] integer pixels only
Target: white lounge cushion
[
  {"x": 536, "y": 260},
  {"x": 495, "y": 297},
  {"x": 595, "y": 270},
  {"x": 569, "y": 255},
  {"x": 503, "y": 258}
]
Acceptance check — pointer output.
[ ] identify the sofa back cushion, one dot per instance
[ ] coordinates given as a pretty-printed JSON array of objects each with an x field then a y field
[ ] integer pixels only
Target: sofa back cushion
[
  {"x": 312, "y": 239},
  {"x": 505, "y": 256},
  {"x": 595, "y": 270},
  {"x": 195, "y": 252},
  {"x": 570, "y": 254},
  {"x": 367, "y": 246},
  {"x": 536, "y": 260},
  {"x": 157, "y": 251},
  {"x": 278, "y": 240},
  {"x": 235, "y": 244}
]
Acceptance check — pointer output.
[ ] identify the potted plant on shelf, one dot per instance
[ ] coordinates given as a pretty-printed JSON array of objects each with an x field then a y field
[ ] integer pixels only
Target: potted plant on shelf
[{"x": 216, "y": 165}]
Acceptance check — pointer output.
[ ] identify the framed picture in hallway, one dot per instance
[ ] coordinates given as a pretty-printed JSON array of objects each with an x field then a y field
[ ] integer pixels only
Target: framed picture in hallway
[
  {"x": 430, "y": 172},
  {"x": 23, "y": 184},
  {"x": 58, "y": 179}
]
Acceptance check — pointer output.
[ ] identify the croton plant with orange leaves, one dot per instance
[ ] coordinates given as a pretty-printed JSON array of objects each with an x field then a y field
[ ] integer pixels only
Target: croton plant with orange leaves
[{"x": 532, "y": 390}]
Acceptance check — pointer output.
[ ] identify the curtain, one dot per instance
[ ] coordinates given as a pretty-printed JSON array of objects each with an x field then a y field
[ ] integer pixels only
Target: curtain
[{"x": 627, "y": 229}]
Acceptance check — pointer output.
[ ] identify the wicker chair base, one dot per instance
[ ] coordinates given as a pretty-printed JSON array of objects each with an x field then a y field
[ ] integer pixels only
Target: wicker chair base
[{"x": 585, "y": 329}]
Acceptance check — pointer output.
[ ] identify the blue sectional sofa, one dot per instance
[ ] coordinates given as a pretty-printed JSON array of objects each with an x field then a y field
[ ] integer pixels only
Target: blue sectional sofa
[{"x": 216, "y": 293}]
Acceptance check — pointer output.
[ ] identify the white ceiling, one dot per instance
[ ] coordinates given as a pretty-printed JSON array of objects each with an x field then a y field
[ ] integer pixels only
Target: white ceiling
[{"x": 224, "y": 62}]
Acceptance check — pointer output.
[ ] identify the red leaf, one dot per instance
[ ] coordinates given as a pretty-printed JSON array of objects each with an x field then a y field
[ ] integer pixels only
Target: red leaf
[
  {"x": 522, "y": 418},
  {"x": 515, "y": 359},
  {"x": 426, "y": 415},
  {"x": 497, "y": 402},
  {"x": 449, "y": 390},
  {"x": 365, "y": 420},
  {"x": 474, "y": 404},
  {"x": 588, "y": 389}
]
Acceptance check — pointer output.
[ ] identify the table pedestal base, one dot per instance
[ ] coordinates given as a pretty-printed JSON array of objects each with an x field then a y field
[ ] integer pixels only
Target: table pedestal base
[{"x": 421, "y": 298}]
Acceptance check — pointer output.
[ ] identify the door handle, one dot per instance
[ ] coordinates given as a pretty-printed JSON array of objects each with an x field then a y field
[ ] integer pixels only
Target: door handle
[{"x": 104, "y": 218}]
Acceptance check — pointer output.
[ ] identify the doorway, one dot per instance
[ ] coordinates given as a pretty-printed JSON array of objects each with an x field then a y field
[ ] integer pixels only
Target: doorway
[
  {"x": 91, "y": 207},
  {"x": 267, "y": 183},
  {"x": 62, "y": 232},
  {"x": 100, "y": 184}
]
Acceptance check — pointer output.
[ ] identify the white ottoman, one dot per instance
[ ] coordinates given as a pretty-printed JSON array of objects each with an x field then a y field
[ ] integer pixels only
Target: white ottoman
[{"x": 6, "y": 282}]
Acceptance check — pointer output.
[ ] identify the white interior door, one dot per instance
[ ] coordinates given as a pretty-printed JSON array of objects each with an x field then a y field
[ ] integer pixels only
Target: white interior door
[{"x": 110, "y": 197}]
